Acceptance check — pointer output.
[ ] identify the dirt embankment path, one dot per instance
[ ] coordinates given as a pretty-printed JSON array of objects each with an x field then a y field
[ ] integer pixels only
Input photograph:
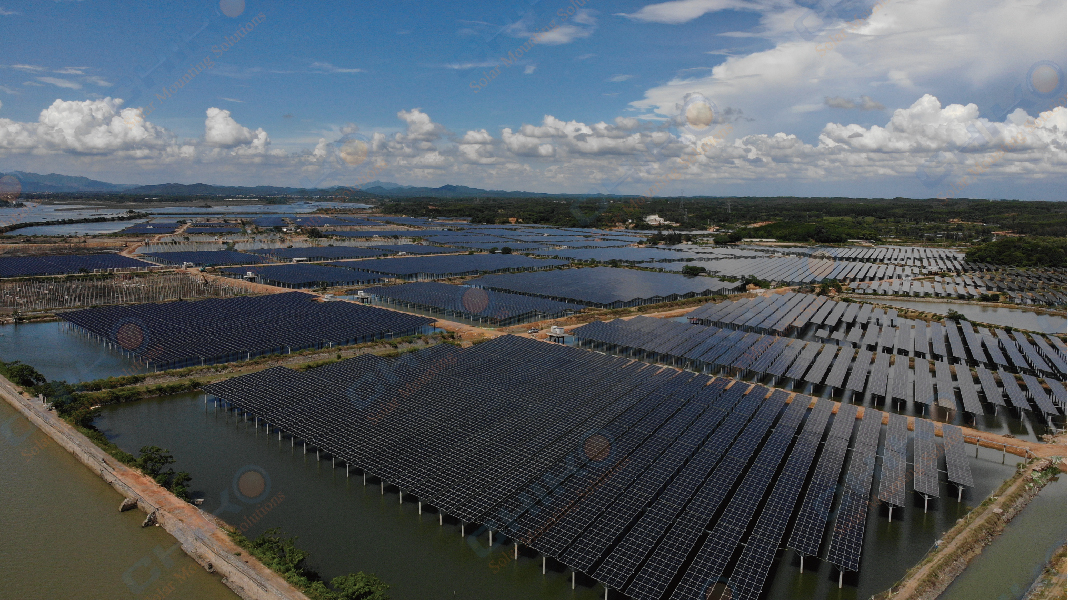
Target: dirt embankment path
[{"x": 202, "y": 537}]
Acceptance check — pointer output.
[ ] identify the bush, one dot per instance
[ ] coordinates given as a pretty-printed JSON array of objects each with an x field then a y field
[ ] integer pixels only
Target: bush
[{"x": 21, "y": 374}]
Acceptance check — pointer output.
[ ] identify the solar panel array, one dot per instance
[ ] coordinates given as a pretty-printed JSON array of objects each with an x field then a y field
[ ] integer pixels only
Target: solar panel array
[
  {"x": 477, "y": 304},
  {"x": 747, "y": 579},
  {"x": 302, "y": 275},
  {"x": 151, "y": 228},
  {"x": 807, "y": 534},
  {"x": 205, "y": 258},
  {"x": 606, "y": 287},
  {"x": 616, "y": 469},
  {"x": 847, "y": 537},
  {"x": 31, "y": 266},
  {"x": 184, "y": 333},
  {"x": 318, "y": 253},
  {"x": 439, "y": 267}
]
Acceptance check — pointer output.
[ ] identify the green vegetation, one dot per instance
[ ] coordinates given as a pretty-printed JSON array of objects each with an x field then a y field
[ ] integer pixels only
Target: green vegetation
[
  {"x": 670, "y": 238},
  {"x": 693, "y": 270},
  {"x": 154, "y": 460},
  {"x": 829, "y": 285},
  {"x": 21, "y": 374},
  {"x": 823, "y": 231},
  {"x": 281, "y": 555},
  {"x": 797, "y": 219},
  {"x": 1022, "y": 252}
]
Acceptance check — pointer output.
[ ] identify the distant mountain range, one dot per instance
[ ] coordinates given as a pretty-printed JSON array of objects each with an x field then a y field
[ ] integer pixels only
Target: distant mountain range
[
  {"x": 53, "y": 182},
  {"x": 65, "y": 184}
]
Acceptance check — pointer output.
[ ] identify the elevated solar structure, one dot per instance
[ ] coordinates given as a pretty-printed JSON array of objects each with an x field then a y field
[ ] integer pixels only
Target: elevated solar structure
[
  {"x": 630, "y": 255},
  {"x": 477, "y": 304},
  {"x": 69, "y": 264},
  {"x": 925, "y": 468},
  {"x": 318, "y": 253},
  {"x": 747, "y": 579},
  {"x": 807, "y": 534},
  {"x": 893, "y": 484},
  {"x": 188, "y": 333},
  {"x": 159, "y": 228},
  {"x": 382, "y": 234},
  {"x": 619, "y": 469},
  {"x": 439, "y": 267},
  {"x": 847, "y": 536},
  {"x": 719, "y": 547},
  {"x": 606, "y": 287},
  {"x": 205, "y": 258},
  {"x": 211, "y": 228},
  {"x": 303, "y": 275},
  {"x": 414, "y": 249},
  {"x": 958, "y": 469}
]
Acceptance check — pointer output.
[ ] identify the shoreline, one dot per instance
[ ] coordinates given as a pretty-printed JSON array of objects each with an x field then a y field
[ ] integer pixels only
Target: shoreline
[{"x": 200, "y": 535}]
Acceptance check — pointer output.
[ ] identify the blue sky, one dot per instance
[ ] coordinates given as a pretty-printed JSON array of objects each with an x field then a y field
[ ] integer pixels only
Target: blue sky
[{"x": 901, "y": 98}]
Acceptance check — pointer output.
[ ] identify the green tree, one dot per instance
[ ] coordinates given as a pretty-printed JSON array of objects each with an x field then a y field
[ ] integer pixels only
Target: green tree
[
  {"x": 153, "y": 460},
  {"x": 22, "y": 374},
  {"x": 506, "y": 250},
  {"x": 693, "y": 270},
  {"x": 359, "y": 586}
]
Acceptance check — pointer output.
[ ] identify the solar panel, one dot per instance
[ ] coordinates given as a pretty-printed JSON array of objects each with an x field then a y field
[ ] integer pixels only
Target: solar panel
[
  {"x": 1013, "y": 391},
  {"x": 605, "y": 286},
  {"x": 847, "y": 537},
  {"x": 811, "y": 521},
  {"x": 957, "y": 465},
  {"x": 30, "y": 266},
  {"x": 892, "y": 478},
  {"x": 925, "y": 456},
  {"x": 754, "y": 565},
  {"x": 968, "y": 394},
  {"x": 714, "y": 555},
  {"x": 990, "y": 387}
]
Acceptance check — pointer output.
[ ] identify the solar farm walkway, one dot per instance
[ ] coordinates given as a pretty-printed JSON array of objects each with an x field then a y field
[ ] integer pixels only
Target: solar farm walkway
[
  {"x": 651, "y": 480},
  {"x": 181, "y": 334}
]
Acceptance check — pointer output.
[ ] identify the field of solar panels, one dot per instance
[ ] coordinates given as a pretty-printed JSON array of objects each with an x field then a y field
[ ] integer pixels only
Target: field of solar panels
[
  {"x": 650, "y": 482},
  {"x": 769, "y": 445}
]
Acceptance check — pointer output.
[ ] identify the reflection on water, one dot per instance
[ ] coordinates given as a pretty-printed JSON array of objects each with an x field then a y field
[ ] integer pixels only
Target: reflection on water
[
  {"x": 349, "y": 527},
  {"x": 63, "y": 536},
  {"x": 995, "y": 315},
  {"x": 76, "y": 228},
  {"x": 59, "y": 353}
]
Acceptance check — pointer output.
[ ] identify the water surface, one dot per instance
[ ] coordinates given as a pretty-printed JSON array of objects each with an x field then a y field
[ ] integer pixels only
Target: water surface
[
  {"x": 63, "y": 536},
  {"x": 995, "y": 315}
]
